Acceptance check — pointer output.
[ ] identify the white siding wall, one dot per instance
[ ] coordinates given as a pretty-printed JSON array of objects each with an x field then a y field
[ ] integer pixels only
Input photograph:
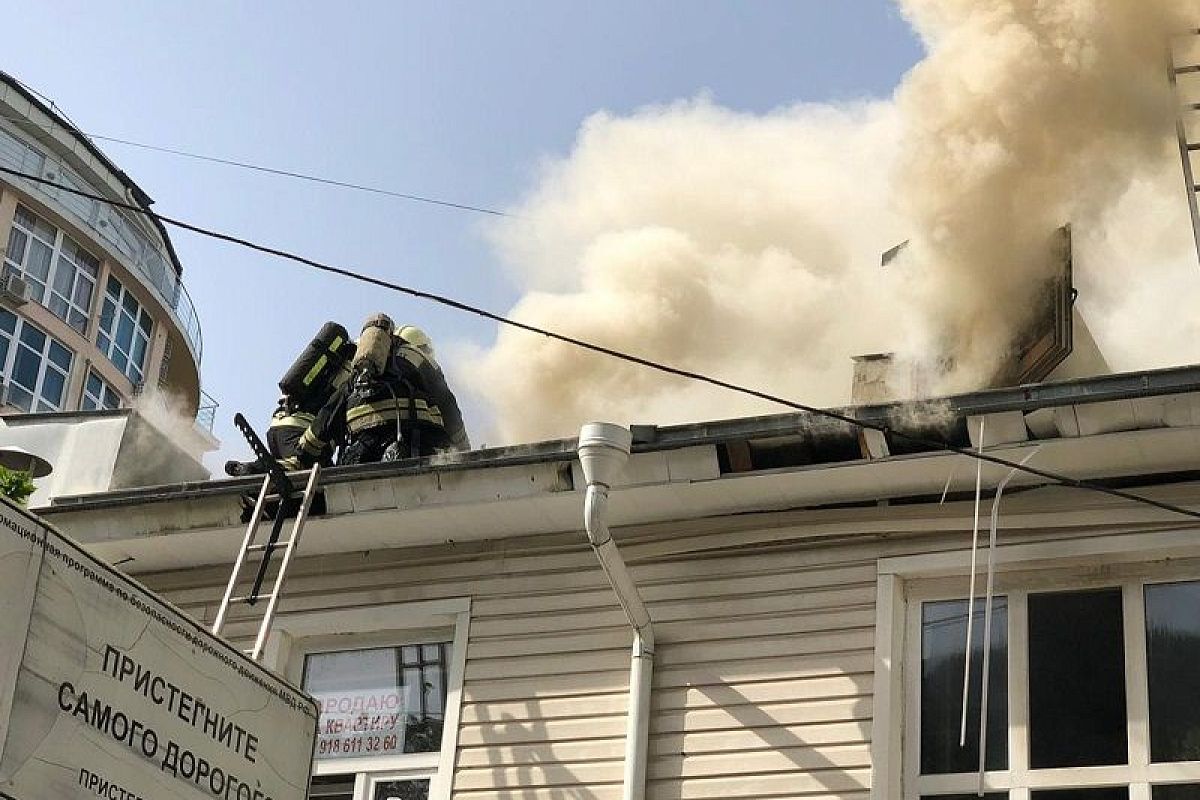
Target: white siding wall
[
  {"x": 763, "y": 679},
  {"x": 762, "y": 684}
]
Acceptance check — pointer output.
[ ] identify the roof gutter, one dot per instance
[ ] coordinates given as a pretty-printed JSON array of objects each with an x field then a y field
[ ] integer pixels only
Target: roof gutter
[{"x": 603, "y": 450}]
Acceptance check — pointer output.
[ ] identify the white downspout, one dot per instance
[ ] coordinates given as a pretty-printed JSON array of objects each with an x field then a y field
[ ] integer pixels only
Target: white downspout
[{"x": 603, "y": 450}]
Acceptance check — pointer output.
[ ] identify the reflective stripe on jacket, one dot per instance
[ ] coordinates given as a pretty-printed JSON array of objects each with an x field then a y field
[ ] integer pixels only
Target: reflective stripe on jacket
[
  {"x": 298, "y": 419},
  {"x": 311, "y": 445},
  {"x": 385, "y": 412}
]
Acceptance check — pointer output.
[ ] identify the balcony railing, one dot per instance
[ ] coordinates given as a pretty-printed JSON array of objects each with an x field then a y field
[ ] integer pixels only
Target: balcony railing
[
  {"x": 206, "y": 414},
  {"x": 137, "y": 250}
]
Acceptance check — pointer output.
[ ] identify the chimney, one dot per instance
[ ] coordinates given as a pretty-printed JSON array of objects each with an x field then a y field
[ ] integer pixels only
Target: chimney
[
  {"x": 1054, "y": 345},
  {"x": 873, "y": 379}
]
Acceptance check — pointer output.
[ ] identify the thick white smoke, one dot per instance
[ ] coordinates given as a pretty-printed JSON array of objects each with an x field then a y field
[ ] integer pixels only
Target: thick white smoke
[
  {"x": 748, "y": 246},
  {"x": 1025, "y": 115}
]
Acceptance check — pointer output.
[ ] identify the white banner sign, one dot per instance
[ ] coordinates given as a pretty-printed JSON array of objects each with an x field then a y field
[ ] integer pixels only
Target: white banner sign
[
  {"x": 360, "y": 724},
  {"x": 108, "y": 692}
]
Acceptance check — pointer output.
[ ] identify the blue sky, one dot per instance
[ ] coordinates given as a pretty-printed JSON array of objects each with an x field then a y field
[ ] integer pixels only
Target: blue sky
[{"x": 456, "y": 100}]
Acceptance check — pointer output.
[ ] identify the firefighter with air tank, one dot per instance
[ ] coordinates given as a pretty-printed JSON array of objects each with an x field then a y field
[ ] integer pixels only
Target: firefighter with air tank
[
  {"x": 307, "y": 386},
  {"x": 383, "y": 399}
]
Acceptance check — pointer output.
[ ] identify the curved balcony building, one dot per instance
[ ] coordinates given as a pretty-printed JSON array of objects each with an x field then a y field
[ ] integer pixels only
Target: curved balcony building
[{"x": 93, "y": 310}]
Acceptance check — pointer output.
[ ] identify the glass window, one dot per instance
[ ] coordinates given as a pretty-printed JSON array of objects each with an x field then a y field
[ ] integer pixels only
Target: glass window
[
  {"x": 98, "y": 394},
  {"x": 943, "y": 649},
  {"x": 15, "y": 153},
  {"x": 33, "y": 365},
  {"x": 1077, "y": 679},
  {"x": 124, "y": 332},
  {"x": 1077, "y": 651},
  {"x": 383, "y": 708},
  {"x": 1173, "y": 670},
  {"x": 1096, "y": 793},
  {"x": 379, "y": 702},
  {"x": 18, "y": 241},
  {"x": 1176, "y": 791},
  {"x": 61, "y": 275},
  {"x": 331, "y": 787},
  {"x": 400, "y": 789}
]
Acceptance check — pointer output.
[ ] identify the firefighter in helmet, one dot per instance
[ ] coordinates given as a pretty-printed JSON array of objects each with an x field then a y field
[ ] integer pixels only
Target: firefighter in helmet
[
  {"x": 415, "y": 347},
  {"x": 396, "y": 404},
  {"x": 312, "y": 380}
]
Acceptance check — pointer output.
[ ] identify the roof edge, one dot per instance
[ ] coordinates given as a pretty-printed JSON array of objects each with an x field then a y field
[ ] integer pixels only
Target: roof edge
[
  {"x": 1106, "y": 388},
  {"x": 139, "y": 194}
]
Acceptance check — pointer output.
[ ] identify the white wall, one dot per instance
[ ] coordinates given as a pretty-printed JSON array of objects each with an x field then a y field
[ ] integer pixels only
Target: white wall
[{"x": 82, "y": 452}]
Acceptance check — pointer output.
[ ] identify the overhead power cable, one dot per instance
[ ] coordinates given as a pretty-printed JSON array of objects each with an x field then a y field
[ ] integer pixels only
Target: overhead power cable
[
  {"x": 359, "y": 187},
  {"x": 1047, "y": 475},
  {"x": 302, "y": 176}
]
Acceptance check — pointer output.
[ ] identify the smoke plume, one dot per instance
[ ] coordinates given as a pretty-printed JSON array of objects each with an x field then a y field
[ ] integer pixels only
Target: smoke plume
[
  {"x": 747, "y": 247},
  {"x": 170, "y": 417}
]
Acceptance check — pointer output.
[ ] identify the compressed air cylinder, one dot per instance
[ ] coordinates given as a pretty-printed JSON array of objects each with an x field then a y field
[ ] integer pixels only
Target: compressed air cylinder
[
  {"x": 322, "y": 367},
  {"x": 375, "y": 344}
]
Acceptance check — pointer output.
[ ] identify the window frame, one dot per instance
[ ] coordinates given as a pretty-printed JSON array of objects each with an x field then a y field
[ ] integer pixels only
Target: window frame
[
  {"x": 58, "y": 254},
  {"x": 294, "y": 636},
  {"x": 15, "y": 344},
  {"x": 135, "y": 373},
  {"x": 106, "y": 389},
  {"x": 1130, "y": 561}
]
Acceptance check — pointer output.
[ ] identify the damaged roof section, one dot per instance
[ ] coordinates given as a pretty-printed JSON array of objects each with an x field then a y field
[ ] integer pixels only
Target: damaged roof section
[
  {"x": 1070, "y": 409},
  {"x": 1140, "y": 429}
]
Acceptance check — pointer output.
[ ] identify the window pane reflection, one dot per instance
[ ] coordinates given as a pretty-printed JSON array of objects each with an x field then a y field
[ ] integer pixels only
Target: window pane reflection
[
  {"x": 1176, "y": 791},
  {"x": 1173, "y": 654},
  {"x": 378, "y": 702},
  {"x": 1076, "y": 680},
  {"x": 331, "y": 787},
  {"x": 1099, "y": 793},
  {"x": 943, "y": 639},
  {"x": 401, "y": 790}
]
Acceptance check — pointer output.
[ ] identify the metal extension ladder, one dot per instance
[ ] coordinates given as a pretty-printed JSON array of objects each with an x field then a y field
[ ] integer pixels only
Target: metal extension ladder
[
  {"x": 1187, "y": 107},
  {"x": 291, "y": 502}
]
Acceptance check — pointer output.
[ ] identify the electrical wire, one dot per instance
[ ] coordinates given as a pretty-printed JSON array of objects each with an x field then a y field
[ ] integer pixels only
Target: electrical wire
[
  {"x": 962, "y": 734},
  {"x": 302, "y": 176},
  {"x": 449, "y": 302},
  {"x": 358, "y": 187},
  {"x": 989, "y": 595}
]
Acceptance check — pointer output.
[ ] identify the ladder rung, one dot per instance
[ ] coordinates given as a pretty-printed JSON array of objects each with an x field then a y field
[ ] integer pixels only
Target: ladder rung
[
  {"x": 1192, "y": 106},
  {"x": 286, "y": 509},
  {"x": 1196, "y": 187},
  {"x": 1187, "y": 69},
  {"x": 1193, "y": 146},
  {"x": 258, "y": 548}
]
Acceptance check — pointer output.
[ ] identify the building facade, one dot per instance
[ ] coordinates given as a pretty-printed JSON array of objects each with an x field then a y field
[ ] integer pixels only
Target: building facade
[
  {"x": 807, "y": 588},
  {"x": 93, "y": 310}
]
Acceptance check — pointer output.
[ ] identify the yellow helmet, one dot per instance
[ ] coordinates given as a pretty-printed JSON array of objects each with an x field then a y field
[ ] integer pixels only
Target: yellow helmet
[{"x": 417, "y": 338}]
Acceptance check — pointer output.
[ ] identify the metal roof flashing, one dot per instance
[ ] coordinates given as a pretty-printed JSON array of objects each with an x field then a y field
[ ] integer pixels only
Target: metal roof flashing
[
  {"x": 1141, "y": 429},
  {"x": 1119, "y": 400}
]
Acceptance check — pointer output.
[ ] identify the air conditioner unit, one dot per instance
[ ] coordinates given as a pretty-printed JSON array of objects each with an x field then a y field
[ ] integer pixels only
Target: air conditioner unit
[{"x": 14, "y": 290}]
